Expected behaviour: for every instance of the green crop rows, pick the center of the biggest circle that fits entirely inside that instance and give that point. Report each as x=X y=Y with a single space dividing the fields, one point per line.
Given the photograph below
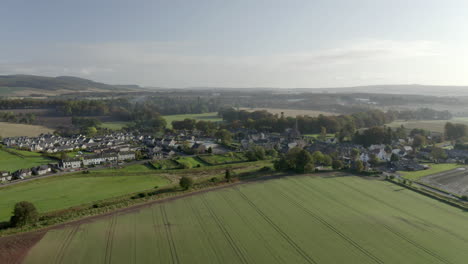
x=289 y=220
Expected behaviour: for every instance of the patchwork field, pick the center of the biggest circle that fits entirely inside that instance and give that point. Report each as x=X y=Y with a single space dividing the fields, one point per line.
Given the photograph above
x=290 y=112
x=205 y=116
x=23 y=160
x=454 y=181
x=289 y=220
x=60 y=192
x=431 y=125
x=18 y=130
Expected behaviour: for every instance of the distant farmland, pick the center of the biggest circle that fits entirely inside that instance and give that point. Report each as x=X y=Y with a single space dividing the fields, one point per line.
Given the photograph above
x=291 y=112
x=17 y=130
x=430 y=125
x=289 y=220
x=205 y=116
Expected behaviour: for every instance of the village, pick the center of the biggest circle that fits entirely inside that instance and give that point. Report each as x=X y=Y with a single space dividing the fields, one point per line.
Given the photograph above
x=117 y=149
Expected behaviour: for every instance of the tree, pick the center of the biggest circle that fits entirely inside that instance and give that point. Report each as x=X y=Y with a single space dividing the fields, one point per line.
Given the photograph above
x=327 y=160
x=256 y=153
x=318 y=157
x=337 y=164
x=394 y=157
x=374 y=160
x=186 y=182
x=224 y=135
x=91 y=131
x=24 y=213
x=438 y=154
x=304 y=161
x=228 y=175
x=323 y=133
x=354 y=153
x=358 y=166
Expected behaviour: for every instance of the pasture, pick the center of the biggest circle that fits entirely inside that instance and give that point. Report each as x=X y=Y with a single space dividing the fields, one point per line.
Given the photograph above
x=296 y=219
x=60 y=192
x=19 y=130
x=21 y=160
x=290 y=112
x=453 y=181
x=213 y=117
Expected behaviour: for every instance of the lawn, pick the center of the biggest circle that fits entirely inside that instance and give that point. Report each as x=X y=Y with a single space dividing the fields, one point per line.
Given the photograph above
x=190 y=162
x=205 y=116
x=60 y=192
x=289 y=220
x=231 y=157
x=25 y=159
x=434 y=168
x=166 y=164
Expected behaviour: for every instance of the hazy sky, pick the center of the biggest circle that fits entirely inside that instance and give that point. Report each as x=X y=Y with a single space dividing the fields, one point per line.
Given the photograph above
x=238 y=43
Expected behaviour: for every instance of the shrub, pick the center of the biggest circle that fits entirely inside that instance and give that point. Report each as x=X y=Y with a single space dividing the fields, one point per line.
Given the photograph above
x=228 y=175
x=24 y=213
x=214 y=179
x=186 y=182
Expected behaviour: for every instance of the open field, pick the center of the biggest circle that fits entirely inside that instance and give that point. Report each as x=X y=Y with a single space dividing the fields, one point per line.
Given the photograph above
x=230 y=157
x=205 y=116
x=431 y=125
x=114 y=125
x=289 y=220
x=433 y=169
x=291 y=112
x=23 y=160
x=60 y=192
x=17 y=130
x=453 y=181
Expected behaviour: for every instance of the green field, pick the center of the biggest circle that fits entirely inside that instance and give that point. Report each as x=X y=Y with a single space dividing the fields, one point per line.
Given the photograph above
x=430 y=125
x=60 y=192
x=24 y=160
x=289 y=220
x=114 y=125
x=205 y=116
x=434 y=168
x=224 y=158
x=190 y=162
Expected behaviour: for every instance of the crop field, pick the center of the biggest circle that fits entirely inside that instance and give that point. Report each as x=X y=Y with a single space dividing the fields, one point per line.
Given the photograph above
x=18 y=130
x=24 y=159
x=433 y=169
x=296 y=219
x=291 y=112
x=213 y=117
x=60 y=192
x=454 y=181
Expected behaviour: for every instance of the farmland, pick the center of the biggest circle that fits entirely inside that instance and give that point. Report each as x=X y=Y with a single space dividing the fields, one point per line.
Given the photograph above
x=18 y=130
x=114 y=125
x=433 y=169
x=288 y=220
x=430 y=125
x=22 y=160
x=291 y=112
x=205 y=116
x=454 y=181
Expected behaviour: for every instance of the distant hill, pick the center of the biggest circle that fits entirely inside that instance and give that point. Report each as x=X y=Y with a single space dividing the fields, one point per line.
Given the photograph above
x=11 y=85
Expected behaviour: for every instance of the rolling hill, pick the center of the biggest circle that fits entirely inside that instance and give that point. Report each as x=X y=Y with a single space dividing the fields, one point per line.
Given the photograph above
x=24 y=85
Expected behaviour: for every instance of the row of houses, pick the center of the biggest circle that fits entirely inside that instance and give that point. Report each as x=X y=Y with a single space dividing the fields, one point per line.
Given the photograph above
x=23 y=173
x=52 y=143
x=97 y=159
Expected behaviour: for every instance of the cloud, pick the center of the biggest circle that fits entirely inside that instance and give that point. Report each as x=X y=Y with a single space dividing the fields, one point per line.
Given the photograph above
x=171 y=64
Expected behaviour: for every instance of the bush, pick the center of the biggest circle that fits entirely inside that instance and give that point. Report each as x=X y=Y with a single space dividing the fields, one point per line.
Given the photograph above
x=228 y=175
x=24 y=213
x=214 y=179
x=337 y=164
x=186 y=182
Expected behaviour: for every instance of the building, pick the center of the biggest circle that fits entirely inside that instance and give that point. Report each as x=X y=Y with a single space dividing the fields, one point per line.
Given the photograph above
x=70 y=164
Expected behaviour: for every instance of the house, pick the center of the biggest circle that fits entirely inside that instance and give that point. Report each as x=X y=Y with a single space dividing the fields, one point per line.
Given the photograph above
x=198 y=148
x=70 y=164
x=41 y=170
x=4 y=173
x=21 y=174
x=126 y=156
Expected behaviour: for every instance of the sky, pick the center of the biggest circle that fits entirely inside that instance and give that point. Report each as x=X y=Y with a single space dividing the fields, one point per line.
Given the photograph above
x=238 y=43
